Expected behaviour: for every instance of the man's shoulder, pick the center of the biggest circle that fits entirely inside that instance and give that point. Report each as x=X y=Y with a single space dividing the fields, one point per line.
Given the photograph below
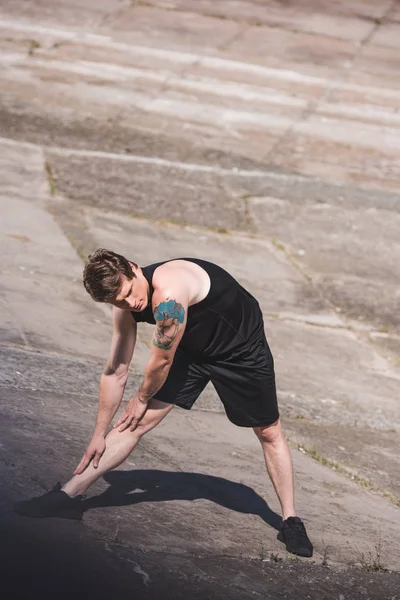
x=184 y=278
x=170 y=272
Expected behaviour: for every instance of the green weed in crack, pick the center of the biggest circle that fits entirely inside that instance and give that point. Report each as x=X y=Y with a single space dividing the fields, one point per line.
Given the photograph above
x=372 y=562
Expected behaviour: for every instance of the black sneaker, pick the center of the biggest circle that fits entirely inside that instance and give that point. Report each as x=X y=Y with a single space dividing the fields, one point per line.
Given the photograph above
x=52 y=504
x=294 y=535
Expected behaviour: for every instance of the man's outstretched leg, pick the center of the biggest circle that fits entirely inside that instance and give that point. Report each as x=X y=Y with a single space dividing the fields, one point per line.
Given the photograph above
x=65 y=501
x=280 y=469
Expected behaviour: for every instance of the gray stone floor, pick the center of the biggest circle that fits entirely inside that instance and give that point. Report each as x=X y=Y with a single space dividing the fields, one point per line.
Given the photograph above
x=263 y=136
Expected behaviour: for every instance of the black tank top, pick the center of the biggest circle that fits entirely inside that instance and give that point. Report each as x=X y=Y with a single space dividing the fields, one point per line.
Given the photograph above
x=227 y=319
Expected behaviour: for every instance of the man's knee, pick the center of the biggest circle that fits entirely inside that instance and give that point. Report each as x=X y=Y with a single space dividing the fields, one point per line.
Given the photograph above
x=157 y=411
x=270 y=434
x=145 y=426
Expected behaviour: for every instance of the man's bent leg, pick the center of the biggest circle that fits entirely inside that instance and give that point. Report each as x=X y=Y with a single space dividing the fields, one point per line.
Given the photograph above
x=279 y=465
x=118 y=447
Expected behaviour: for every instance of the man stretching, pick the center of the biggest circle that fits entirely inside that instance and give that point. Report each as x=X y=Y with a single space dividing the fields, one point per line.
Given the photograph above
x=207 y=328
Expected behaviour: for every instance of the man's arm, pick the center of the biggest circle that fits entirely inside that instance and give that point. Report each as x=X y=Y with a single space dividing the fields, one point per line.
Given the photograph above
x=112 y=383
x=170 y=313
x=170 y=316
x=115 y=374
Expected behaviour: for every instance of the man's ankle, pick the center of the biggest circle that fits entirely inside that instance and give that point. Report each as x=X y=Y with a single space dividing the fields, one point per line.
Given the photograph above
x=71 y=492
x=290 y=513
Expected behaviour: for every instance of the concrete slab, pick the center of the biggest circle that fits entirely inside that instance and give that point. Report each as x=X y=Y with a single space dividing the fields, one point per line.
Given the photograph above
x=394 y=15
x=41 y=274
x=379 y=63
x=362 y=8
x=320 y=138
x=80 y=15
x=201 y=105
x=323 y=19
x=310 y=54
x=23 y=173
x=190 y=99
x=358 y=111
x=213 y=472
x=45 y=556
x=359 y=377
x=388 y=34
x=365 y=99
x=277 y=81
x=156 y=189
x=364 y=447
x=151 y=26
x=319 y=235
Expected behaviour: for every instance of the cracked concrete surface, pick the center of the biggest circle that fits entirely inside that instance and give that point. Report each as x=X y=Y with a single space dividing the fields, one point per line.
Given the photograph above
x=269 y=134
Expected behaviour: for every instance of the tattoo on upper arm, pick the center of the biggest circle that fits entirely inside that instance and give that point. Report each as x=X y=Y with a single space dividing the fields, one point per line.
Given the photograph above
x=168 y=316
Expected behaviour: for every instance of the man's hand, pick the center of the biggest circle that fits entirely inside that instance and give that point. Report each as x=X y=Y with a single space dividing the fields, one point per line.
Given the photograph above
x=95 y=450
x=132 y=415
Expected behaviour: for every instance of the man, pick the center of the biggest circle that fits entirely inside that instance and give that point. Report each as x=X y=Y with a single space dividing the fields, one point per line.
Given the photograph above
x=207 y=328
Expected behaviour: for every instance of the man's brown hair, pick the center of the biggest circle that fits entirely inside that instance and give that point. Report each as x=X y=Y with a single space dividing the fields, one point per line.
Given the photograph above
x=102 y=276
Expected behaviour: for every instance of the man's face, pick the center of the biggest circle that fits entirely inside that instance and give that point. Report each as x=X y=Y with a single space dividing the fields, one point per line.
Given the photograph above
x=132 y=295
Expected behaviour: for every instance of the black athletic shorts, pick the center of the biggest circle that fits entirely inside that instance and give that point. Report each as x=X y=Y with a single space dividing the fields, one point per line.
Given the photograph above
x=245 y=383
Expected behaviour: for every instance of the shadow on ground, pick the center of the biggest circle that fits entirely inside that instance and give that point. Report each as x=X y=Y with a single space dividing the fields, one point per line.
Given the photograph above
x=48 y=558
x=151 y=485
x=54 y=558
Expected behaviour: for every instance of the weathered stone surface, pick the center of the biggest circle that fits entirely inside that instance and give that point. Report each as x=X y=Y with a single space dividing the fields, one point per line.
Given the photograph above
x=364 y=285
x=302 y=52
x=378 y=64
x=40 y=276
x=320 y=146
x=150 y=26
x=324 y=18
x=81 y=15
x=183 y=479
x=158 y=191
x=388 y=34
x=271 y=130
